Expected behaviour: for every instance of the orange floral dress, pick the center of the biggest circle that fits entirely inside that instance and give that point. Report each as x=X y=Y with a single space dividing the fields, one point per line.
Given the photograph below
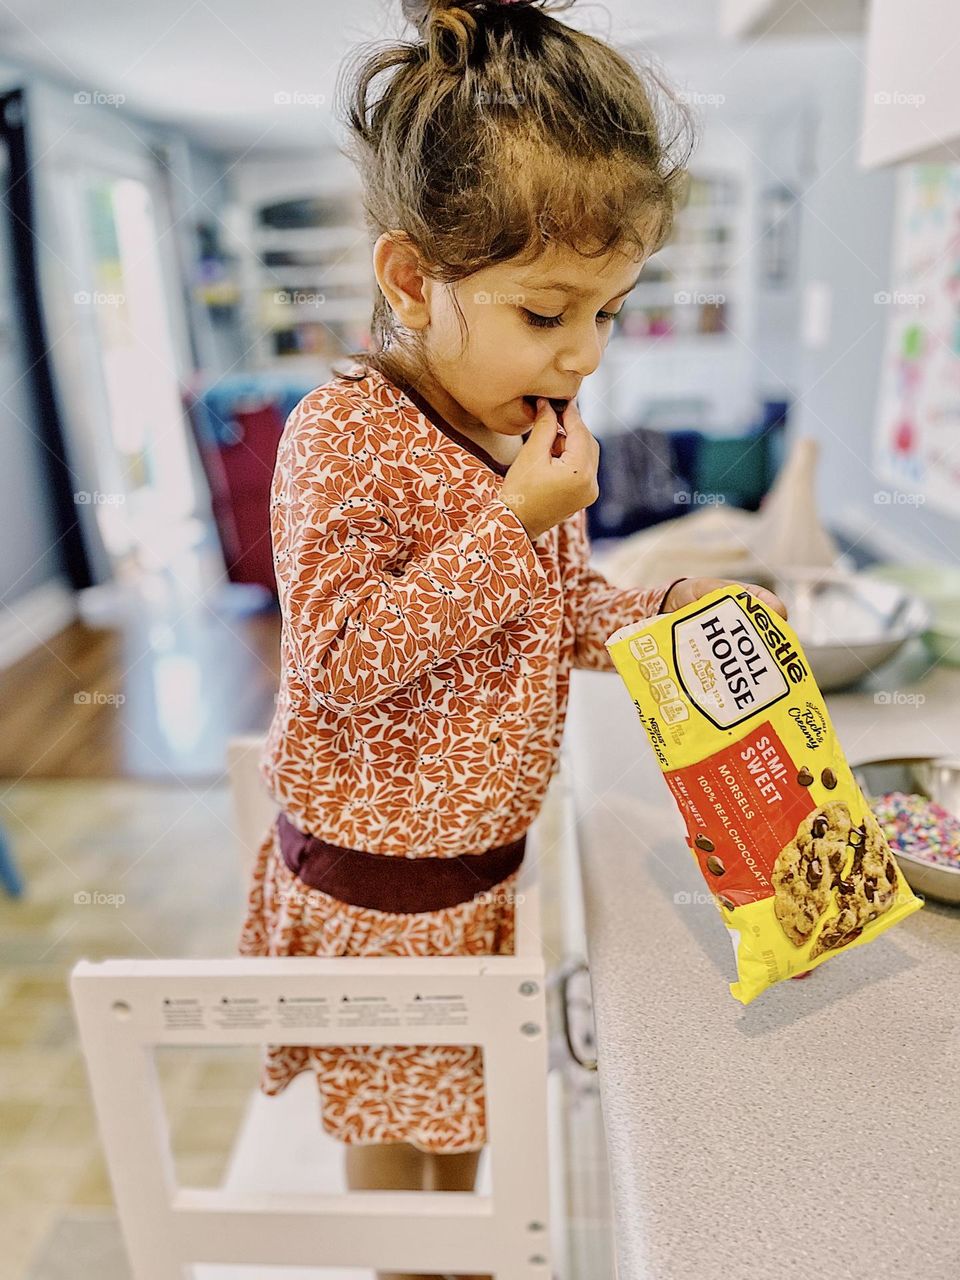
x=426 y=649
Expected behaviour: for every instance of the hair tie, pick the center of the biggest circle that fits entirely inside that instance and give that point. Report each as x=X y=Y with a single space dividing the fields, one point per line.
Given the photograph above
x=418 y=11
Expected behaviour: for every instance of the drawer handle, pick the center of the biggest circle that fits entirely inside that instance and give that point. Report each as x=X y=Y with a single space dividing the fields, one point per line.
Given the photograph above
x=588 y=1064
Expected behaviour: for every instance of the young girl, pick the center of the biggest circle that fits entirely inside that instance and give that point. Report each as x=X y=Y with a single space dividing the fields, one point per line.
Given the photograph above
x=429 y=533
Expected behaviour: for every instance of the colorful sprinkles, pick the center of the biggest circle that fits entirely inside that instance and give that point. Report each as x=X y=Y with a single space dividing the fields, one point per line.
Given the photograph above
x=920 y=827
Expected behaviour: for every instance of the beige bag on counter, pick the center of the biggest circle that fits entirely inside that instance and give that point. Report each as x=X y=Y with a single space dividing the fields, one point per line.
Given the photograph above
x=724 y=542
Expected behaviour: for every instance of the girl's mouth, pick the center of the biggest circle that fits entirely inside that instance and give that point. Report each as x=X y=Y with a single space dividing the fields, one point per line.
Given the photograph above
x=558 y=406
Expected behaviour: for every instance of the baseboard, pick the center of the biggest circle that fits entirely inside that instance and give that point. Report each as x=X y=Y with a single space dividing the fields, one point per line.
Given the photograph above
x=33 y=619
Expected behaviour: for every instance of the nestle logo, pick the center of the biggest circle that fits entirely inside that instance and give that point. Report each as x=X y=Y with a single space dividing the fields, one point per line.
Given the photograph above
x=782 y=649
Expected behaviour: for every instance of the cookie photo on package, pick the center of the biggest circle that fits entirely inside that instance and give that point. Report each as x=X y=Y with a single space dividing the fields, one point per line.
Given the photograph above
x=786 y=842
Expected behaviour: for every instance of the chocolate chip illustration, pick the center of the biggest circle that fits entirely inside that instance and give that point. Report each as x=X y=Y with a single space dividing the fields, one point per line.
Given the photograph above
x=890 y=871
x=829 y=779
x=819 y=827
x=869 y=889
x=705 y=843
x=805 y=777
x=715 y=866
x=725 y=902
x=814 y=872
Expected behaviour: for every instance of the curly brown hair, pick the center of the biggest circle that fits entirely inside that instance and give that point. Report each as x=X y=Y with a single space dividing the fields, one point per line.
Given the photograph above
x=498 y=132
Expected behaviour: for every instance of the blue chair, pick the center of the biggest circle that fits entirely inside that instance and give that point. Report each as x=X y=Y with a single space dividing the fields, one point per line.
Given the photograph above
x=10 y=876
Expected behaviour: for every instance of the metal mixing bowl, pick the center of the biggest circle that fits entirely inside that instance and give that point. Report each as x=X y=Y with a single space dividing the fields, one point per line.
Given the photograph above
x=849 y=624
x=937 y=778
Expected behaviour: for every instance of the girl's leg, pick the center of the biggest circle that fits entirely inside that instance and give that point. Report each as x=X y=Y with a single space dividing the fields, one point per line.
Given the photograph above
x=389 y=1166
x=454 y=1172
x=384 y=1166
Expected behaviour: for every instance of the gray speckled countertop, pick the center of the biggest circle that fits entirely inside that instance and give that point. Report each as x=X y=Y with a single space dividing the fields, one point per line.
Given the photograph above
x=817 y=1130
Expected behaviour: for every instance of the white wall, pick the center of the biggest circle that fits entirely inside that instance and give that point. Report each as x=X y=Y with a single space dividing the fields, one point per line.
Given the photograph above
x=797 y=102
x=847 y=243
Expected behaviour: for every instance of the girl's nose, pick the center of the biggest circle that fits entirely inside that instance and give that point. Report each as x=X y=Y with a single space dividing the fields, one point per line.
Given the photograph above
x=583 y=355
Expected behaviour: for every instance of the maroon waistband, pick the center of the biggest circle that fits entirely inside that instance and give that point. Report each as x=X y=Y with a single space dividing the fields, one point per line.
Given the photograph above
x=388 y=883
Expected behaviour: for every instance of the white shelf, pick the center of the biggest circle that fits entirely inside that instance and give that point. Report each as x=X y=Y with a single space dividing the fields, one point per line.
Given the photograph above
x=288 y=316
x=322 y=275
x=342 y=272
x=715 y=367
x=311 y=238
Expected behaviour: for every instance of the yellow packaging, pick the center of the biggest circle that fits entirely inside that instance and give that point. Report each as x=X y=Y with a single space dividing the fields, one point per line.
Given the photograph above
x=797 y=863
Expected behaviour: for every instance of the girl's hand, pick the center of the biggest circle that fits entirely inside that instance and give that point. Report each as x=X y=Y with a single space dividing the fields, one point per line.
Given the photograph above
x=555 y=473
x=687 y=590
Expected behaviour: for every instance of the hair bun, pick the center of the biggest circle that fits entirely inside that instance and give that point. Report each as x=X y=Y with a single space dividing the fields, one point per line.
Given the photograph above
x=418 y=12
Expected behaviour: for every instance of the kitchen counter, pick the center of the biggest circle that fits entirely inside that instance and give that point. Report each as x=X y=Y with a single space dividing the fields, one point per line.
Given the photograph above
x=815 y=1131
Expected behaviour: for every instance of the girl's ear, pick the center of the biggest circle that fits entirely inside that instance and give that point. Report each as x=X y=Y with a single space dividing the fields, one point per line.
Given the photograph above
x=400 y=276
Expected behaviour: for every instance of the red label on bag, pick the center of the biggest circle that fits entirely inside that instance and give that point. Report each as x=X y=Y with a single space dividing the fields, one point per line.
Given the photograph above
x=741 y=806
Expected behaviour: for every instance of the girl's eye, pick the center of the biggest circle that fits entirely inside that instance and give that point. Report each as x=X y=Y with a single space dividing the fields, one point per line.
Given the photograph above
x=551 y=322
x=540 y=322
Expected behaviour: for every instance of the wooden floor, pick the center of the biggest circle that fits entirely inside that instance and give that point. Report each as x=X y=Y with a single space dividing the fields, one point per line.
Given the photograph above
x=152 y=689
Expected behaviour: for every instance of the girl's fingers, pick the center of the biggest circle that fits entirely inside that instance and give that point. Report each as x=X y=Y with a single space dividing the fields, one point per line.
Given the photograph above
x=578 y=445
x=691 y=589
x=772 y=601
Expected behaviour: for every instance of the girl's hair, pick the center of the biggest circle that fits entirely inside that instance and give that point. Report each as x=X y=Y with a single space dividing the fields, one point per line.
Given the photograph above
x=498 y=132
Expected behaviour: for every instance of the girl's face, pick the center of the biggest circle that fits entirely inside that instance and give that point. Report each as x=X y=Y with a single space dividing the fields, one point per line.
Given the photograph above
x=534 y=330
x=531 y=330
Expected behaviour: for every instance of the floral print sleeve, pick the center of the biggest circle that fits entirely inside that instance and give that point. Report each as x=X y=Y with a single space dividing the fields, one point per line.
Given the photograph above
x=363 y=618
x=595 y=606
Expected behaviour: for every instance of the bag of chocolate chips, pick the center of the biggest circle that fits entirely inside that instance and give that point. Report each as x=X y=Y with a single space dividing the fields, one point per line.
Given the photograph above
x=796 y=862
